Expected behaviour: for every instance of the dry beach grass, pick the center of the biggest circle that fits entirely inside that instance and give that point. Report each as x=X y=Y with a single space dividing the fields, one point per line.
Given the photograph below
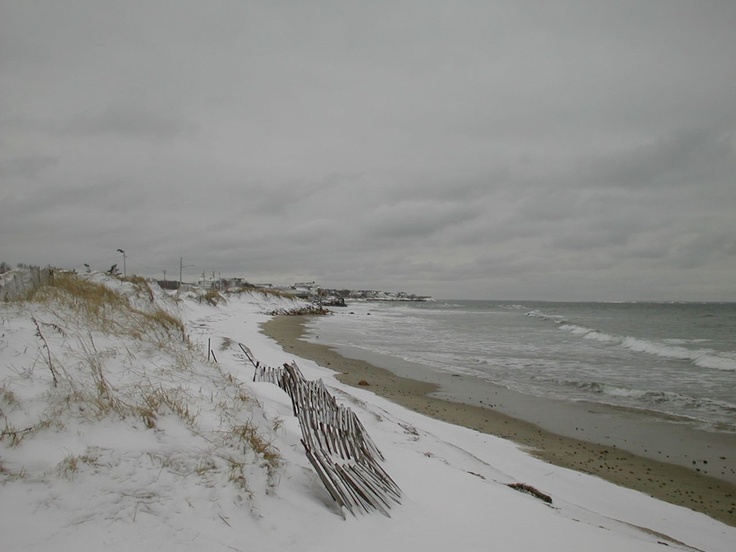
x=119 y=356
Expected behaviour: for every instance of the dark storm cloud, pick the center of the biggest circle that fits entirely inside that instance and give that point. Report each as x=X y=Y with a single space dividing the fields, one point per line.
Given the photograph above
x=128 y=122
x=691 y=157
x=419 y=218
x=459 y=149
x=27 y=166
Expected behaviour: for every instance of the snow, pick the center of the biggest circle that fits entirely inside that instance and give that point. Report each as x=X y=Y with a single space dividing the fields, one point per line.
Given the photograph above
x=90 y=475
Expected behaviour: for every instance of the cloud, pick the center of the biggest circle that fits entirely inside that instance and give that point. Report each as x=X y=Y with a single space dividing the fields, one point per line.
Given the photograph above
x=128 y=122
x=27 y=166
x=690 y=157
x=472 y=149
x=418 y=218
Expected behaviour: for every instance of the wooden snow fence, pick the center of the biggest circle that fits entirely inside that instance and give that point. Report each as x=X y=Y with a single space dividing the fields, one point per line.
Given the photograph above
x=335 y=441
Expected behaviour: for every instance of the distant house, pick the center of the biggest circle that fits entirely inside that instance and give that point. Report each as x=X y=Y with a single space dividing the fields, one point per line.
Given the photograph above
x=230 y=283
x=305 y=289
x=300 y=289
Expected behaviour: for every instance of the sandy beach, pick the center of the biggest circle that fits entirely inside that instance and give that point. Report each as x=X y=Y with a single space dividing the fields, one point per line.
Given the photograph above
x=669 y=482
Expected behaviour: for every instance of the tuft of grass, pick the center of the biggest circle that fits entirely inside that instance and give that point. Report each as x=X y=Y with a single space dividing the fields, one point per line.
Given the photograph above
x=68 y=466
x=8 y=397
x=140 y=284
x=157 y=401
x=204 y=467
x=237 y=474
x=138 y=281
x=241 y=393
x=278 y=424
x=272 y=459
x=10 y=475
x=15 y=436
x=159 y=320
x=226 y=343
x=242 y=396
x=211 y=297
x=104 y=399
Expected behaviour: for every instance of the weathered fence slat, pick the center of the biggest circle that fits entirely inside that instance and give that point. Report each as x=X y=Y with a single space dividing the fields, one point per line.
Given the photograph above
x=335 y=441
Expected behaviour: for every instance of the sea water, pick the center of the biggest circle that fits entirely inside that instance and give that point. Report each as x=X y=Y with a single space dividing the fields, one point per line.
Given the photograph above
x=676 y=361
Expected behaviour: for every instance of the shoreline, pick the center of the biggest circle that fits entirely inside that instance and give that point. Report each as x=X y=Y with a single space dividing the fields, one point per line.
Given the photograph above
x=668 y=482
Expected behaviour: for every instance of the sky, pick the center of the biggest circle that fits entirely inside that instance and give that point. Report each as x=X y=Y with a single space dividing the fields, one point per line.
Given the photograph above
x=467 y=149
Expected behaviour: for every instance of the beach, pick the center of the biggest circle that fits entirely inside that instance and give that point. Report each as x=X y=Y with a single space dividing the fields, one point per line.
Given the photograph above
x=126 y=432
x=676 y=484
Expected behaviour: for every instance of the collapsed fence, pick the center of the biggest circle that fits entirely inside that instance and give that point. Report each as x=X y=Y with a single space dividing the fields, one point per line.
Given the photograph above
x=335 y=441
x=18 y=282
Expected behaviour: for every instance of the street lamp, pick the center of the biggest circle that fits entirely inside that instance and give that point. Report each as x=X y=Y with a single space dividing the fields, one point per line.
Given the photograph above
x=123 y=252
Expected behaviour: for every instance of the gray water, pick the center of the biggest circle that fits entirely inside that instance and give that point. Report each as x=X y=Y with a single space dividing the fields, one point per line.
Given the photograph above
x=676 y=361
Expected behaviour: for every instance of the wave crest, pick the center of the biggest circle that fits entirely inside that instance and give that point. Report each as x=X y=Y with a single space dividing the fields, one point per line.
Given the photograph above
x=673 y=349
x=653 y=397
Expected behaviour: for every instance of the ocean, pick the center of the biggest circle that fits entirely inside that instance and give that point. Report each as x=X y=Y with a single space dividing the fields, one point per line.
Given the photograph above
x=669 y=361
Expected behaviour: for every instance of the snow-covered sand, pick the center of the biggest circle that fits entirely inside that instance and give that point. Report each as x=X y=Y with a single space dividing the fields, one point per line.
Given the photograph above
x=684 y=485
x=80 y=474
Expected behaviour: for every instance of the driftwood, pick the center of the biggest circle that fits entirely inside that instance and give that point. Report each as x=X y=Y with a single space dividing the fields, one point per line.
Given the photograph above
x=524 y=488
x=335 y=441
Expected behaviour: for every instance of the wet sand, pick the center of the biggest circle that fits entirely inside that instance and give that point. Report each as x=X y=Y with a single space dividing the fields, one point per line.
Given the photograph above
x=669 y=482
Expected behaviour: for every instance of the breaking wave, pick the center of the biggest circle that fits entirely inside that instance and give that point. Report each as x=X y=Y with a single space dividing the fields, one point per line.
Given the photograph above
x=671 y=349
x=663 y=402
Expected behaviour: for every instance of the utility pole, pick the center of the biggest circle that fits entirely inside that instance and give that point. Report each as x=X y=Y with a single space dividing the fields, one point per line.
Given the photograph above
x=181 y=268
x=123 y=252
x=164 y=276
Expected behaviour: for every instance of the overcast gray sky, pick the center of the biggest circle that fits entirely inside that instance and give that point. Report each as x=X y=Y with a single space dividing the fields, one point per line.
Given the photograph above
x=465 y=149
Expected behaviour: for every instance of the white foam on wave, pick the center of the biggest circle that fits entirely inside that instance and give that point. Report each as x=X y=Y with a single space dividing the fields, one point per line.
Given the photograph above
x=600 y=336
x=542 y=316
x=719 y=361
x=628 y=392
x=674 y=349
x=705 y=358
x=667 y=402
